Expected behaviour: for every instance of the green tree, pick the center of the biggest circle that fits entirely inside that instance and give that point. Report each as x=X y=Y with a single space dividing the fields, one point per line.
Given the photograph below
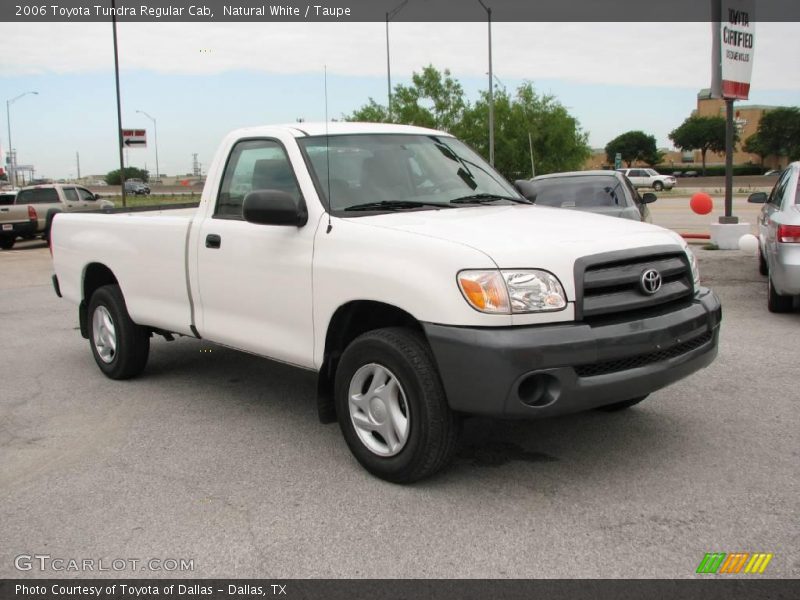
x=754 y=145
x=779 y=133
x=522 y=120
x=113 y=178
x=436 y=100
x=633 y=146
x=701 y=133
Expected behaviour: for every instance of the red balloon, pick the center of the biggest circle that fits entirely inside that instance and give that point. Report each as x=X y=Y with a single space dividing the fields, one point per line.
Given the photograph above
x=701 y=203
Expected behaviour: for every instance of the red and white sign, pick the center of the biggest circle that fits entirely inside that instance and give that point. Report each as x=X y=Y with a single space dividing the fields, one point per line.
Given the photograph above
x=733 y=48
x=134 y=138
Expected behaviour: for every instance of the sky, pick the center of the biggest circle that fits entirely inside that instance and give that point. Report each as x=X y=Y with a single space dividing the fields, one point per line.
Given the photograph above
x=200 y=80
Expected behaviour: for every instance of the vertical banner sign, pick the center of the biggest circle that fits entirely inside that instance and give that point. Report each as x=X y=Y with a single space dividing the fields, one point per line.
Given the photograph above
x=733 y=45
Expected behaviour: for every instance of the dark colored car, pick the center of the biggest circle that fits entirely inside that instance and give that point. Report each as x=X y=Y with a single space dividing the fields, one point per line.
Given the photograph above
x=603 y=192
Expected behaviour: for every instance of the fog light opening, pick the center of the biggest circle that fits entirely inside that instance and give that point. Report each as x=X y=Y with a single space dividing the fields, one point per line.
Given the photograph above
x=538 y=390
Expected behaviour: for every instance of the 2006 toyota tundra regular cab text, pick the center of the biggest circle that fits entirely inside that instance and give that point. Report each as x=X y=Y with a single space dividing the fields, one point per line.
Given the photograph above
x=407 y=273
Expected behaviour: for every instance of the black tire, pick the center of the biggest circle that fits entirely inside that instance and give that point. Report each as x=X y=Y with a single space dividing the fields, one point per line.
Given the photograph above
x=7 y=243
x=777 y=303
x=433 y=429
x=762 y=262
x=621 y=405
x=132 y=342
x=658 y=186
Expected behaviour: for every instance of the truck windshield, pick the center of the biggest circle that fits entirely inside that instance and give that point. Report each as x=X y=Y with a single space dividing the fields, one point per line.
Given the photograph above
x=401 y=171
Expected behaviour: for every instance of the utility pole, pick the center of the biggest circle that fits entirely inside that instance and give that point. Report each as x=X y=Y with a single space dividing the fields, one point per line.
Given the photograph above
x=389 y=16
x=491 y=85
x=78 y=163
x=119 y=104
x=729 y=218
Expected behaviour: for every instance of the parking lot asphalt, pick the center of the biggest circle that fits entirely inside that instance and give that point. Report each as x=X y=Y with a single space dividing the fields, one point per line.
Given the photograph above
x=217 y=457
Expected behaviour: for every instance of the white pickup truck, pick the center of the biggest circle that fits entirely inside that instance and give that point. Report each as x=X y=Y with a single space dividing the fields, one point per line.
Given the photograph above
x=406 y=273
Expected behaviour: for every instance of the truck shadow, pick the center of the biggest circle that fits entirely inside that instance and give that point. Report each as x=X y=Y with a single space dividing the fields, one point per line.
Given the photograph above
x=270 y=391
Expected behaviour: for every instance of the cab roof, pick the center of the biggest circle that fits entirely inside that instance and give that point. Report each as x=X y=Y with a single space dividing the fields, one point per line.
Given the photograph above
x=300 y=130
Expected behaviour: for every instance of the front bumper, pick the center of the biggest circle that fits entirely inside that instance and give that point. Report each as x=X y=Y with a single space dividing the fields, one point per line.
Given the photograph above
x=543 y=371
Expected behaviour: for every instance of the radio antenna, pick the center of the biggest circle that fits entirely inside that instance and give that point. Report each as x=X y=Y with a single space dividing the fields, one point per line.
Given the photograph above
x=327 y=153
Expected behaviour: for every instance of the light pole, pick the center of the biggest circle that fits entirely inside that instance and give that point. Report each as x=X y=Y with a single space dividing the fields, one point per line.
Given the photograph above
x=389 y=16
x=488 y=10
x=12 y=170
x=155 y=134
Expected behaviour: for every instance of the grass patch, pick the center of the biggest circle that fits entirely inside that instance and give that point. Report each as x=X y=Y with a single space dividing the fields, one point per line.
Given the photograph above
x=155 y=199
x=711 y=246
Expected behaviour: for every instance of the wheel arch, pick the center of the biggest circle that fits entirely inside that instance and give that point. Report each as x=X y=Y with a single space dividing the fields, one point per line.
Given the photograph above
x=348 y=322
x=95 y=276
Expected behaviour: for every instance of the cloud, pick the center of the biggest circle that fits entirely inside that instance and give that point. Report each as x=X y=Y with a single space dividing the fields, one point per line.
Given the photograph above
x=641 y=54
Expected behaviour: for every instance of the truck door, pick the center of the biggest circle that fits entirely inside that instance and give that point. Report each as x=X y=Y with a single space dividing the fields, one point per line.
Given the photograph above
x=255 y=280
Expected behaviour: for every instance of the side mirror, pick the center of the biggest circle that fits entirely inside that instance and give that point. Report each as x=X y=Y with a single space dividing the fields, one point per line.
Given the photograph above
x=273 y=207
x=97 y=196
x=757 y=198
x=526 y=188
x=649 y=197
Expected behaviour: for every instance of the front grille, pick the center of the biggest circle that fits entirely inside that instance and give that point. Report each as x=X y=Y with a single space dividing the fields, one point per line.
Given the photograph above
x=632 y=362
x=613 y=285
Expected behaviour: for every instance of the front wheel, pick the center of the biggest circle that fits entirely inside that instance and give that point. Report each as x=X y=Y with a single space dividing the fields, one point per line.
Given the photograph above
x=120 y=346
x=622 y=405
x=392 y=407
x=658 y=186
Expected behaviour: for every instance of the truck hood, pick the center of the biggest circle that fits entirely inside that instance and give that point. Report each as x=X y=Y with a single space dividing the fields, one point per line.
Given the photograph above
x=524 y=236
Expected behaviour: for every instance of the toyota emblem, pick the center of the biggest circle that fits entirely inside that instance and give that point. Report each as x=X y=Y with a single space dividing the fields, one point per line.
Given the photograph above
x=650 y=282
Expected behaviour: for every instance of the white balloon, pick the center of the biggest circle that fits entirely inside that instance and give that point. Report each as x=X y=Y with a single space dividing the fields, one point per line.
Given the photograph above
x=748 y=243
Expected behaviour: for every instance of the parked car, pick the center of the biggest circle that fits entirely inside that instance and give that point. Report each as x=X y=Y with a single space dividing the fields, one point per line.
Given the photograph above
x=649 y=178
x=690 y=174
x=137 y=187
x=779 y=239
x=35 y=206
x=603 y=192
x=403 y=270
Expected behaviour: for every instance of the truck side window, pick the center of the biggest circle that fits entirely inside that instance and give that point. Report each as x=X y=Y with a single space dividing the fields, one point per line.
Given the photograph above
x=70 y=194
x=86 y=195
x=254 y=165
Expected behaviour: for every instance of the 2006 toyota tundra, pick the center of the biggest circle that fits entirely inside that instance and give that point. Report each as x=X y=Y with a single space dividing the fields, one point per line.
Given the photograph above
x=407 y=273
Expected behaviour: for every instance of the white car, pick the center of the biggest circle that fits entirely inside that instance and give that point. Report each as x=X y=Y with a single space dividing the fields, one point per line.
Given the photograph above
x=779 y=239
x=403 y=270
x=649 y=178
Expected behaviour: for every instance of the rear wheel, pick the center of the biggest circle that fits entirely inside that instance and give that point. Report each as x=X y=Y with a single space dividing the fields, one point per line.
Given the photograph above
x=392 y=407
x=658 y=186
x=622 y=405
x=120 y=346
x=7 y=243
x=776 y=302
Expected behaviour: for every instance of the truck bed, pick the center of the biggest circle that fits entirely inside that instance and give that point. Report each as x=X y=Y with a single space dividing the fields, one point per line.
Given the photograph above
x=145 y=250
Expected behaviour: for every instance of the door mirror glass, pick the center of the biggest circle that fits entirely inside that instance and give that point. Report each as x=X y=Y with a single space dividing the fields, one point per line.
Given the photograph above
x=757 y=198
x=273 y=207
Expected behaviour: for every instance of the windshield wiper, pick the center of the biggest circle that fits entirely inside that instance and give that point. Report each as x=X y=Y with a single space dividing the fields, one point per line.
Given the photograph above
x=487 y=198
x=395 y=205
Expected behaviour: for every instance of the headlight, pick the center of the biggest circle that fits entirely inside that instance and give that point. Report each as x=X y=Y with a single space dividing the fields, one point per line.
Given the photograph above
x=517 y=291
x=695 y=268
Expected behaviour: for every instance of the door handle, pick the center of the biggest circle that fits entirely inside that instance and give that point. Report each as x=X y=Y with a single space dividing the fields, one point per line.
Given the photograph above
x=213 y=241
